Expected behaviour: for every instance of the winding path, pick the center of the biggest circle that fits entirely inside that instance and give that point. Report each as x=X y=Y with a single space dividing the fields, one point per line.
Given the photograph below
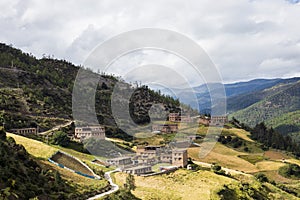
x=114 y=187
x=231 y=171
x=56 y=128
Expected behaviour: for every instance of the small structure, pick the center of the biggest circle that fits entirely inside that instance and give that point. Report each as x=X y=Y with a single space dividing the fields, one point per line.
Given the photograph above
x=82 y=133
x=120 y=161
x=138 y=170
x=165 y=128
x=176 y=117
x=25 y=131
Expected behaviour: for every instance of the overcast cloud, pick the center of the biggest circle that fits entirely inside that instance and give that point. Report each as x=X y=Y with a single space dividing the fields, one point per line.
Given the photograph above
x=245 y=39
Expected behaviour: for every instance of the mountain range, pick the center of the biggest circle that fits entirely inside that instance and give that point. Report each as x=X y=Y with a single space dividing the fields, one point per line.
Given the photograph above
x=273 y=101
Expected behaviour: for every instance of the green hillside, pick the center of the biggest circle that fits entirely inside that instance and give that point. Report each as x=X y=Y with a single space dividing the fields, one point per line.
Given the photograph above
x=277 y=110
x=286 y=123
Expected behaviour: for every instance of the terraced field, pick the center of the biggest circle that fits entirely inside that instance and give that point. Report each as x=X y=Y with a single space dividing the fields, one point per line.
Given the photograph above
x=70 y=163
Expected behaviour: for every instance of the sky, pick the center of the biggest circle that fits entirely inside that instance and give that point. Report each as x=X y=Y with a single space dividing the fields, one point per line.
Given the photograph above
x=245 y=39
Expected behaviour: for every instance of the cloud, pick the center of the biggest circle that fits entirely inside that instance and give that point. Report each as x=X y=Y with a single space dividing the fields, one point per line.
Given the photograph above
x=245 y=39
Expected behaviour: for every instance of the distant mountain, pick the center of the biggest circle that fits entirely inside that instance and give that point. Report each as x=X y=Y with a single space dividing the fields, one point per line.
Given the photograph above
x=243 y=100
x=279 y=107
x=238 y=95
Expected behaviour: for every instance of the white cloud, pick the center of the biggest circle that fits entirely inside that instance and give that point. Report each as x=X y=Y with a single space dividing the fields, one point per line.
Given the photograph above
x=245 y=39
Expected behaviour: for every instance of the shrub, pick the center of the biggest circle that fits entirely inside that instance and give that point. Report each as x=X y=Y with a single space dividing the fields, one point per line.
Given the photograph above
x=290 y=171
x=262 y=177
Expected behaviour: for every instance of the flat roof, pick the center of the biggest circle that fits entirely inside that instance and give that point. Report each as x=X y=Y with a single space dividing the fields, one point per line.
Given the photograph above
x=119 y=158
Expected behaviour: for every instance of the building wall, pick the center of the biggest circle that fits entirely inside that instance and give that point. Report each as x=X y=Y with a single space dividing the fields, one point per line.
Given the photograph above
x=179 y=158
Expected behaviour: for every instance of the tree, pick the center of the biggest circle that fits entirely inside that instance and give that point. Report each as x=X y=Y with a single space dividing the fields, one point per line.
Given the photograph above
x=2 y=134
x=130 y=183
x=60 y=138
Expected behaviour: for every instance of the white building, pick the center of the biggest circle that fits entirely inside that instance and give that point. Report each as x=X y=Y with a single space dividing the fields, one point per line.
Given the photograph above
x=82 y=133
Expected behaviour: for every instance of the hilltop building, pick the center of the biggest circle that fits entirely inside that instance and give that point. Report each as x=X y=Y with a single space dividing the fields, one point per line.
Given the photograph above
x=176 y=117
x=25 y=131
x=218 y=120
x=177 y=157
x=213 y=121
x=82 y=133
x=165 y=128
x=120 y=161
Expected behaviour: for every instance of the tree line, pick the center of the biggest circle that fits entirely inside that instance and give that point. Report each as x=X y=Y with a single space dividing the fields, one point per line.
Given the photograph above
x=269 y=138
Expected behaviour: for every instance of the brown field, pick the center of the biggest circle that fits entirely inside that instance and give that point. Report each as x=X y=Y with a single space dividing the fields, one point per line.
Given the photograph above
x=223 y=156
x=275 y=155
x=268 y=165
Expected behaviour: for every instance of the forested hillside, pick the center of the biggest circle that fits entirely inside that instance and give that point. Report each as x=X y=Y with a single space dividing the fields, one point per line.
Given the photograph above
x=39 y=92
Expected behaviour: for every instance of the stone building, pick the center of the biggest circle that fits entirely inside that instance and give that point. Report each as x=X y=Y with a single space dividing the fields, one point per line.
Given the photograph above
x=176 y=117
x=177 y=157
x=165 y=128
x=25 y=131
x=218 y=120
x=214 y=120
x=82 y=133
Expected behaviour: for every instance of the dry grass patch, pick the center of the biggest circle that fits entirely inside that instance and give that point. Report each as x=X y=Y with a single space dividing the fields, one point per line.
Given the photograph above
x=223 y=156
x=181 y=184
x=36 y=148
x=293 y=160
x=241 y=133
x=269 y=165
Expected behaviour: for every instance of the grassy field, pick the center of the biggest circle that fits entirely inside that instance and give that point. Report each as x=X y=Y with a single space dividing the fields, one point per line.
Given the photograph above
x=241 y=134
x=181 y=184
x=36 y=148
x=252 y=158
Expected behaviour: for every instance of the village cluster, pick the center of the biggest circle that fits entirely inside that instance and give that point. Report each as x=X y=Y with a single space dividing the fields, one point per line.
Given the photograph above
x=146 y=156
